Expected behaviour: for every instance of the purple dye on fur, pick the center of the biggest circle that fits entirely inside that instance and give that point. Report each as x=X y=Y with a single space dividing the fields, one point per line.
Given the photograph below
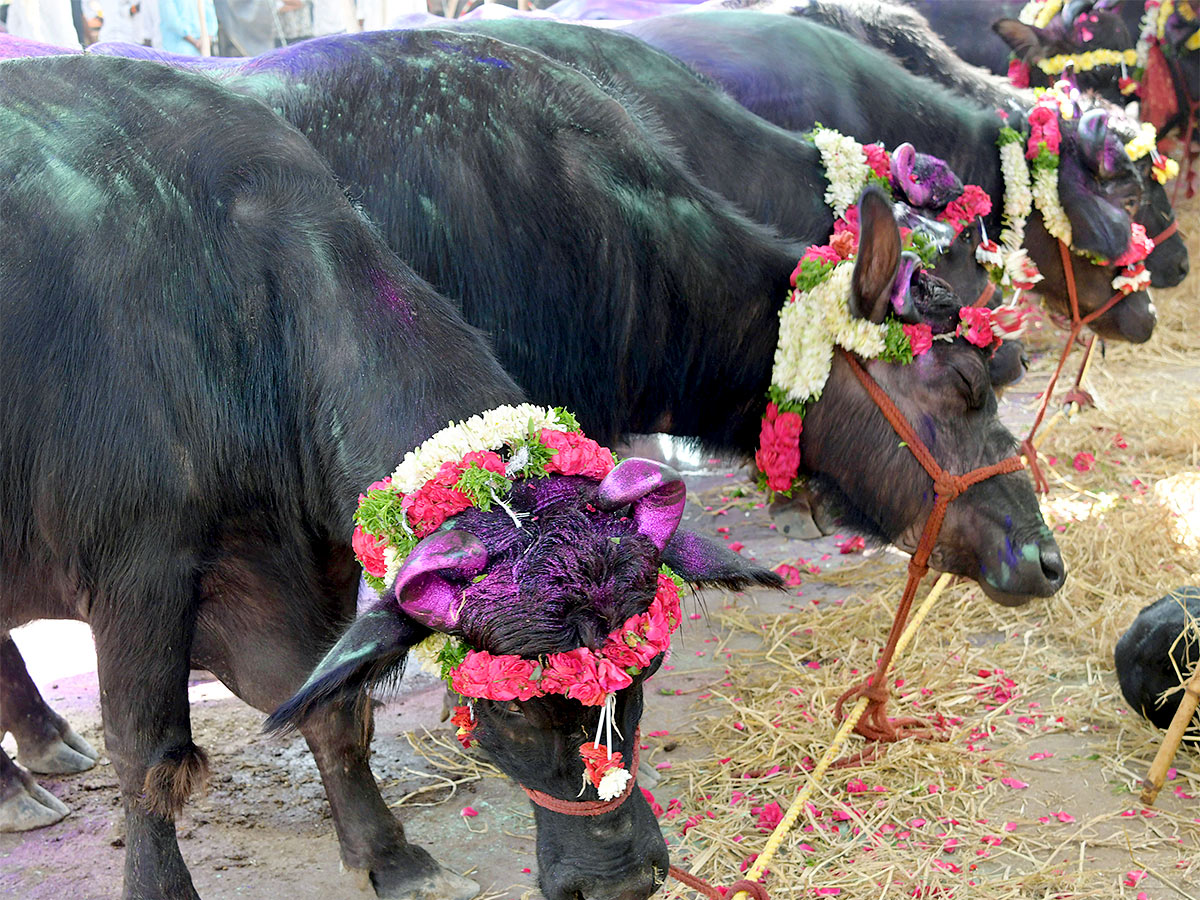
x=565 y=579
x=386 y=291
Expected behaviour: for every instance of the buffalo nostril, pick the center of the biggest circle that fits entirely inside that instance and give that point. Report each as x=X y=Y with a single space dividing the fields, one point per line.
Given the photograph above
x=1052 y=565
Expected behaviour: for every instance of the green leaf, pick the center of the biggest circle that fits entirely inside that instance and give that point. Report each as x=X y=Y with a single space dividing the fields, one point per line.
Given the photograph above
x=451 y=657
x=482 y=485
x=567 y=418
x=897 y=348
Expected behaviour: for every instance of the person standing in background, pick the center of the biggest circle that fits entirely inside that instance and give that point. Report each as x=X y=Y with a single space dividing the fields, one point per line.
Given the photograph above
x=128 y=21
x=48 y=21
x=179 y=21
x=335 y=17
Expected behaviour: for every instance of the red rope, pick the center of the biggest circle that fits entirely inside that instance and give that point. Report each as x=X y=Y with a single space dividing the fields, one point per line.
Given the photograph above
x=1040 y=483
x=874 y=723
x=985 y=296
x=590 y=807
x=1166 y=232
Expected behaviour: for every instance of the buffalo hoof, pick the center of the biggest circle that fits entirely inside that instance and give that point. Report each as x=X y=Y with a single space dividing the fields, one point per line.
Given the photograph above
x=30 y=807
x=65 y=756
x=440 y=885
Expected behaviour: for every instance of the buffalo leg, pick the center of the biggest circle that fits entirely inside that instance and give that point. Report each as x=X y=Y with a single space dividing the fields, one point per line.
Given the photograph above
x=264 y=656
x=45 y=742
x=25 y=804
x=143 y=668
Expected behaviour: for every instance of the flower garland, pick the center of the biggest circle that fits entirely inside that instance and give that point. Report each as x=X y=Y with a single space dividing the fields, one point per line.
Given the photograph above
x=1162 y=168
x=474 y=464
x=1022 y=191
x=1152 y=32
x=460 y=467
x=1042 y=151
x=1039 y=12
x=1087 y=61
x=816 y=316
x=591 y=677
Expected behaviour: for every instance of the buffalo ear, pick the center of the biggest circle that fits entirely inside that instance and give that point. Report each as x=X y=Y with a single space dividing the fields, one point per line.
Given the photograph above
x=1029 y=43
x=1096 y=225
x=701 y=561
x=372 y=651
x=878 y=257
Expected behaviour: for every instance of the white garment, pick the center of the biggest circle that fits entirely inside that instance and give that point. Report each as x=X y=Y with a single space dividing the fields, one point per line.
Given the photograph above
x=334 y=17
x=132 y=21
x=48 y=21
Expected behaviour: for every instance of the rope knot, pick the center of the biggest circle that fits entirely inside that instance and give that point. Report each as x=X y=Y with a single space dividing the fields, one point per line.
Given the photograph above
x=949 y=486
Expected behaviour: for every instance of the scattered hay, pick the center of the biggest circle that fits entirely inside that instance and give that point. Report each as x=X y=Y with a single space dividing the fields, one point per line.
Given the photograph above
x=1016 y=694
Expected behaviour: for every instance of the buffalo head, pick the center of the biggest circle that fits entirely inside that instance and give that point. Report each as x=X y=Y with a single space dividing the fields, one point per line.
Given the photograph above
x=564 y=563
x=994 y=532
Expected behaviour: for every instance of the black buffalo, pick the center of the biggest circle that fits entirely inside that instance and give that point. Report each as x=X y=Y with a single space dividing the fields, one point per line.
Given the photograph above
x=1158 y=652
x=796 y=73
x=904 y=35
x=637 y=297
x=193 y=401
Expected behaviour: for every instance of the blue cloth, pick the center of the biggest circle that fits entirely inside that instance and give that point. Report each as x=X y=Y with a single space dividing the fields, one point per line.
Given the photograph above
x=179 y=19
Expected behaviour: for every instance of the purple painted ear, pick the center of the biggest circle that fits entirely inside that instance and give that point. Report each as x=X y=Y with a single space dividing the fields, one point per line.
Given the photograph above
x=925 y=180
x=699 y=560
x=1097 y=150
x=656 y=491
x=422 y=588
x=1097 y=225
x=902 y=302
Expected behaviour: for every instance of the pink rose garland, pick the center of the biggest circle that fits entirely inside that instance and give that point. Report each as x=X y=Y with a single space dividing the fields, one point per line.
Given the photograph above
x=778 y=455
x=582 y=674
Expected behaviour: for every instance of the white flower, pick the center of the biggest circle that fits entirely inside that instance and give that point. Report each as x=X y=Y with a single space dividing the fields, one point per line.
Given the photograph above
x=1018 y=197
x=988 y=254
x=612 y=785
x=1045 y=195
x=1132 y=279
x=1020 y=271
x=426 y=653
x=846 y=168
x=809 y=328
x=490 y=431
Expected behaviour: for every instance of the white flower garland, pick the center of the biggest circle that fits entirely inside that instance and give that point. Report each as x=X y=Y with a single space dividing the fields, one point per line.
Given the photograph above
x=1018 y=196
x=1045 y=195
x=1039 y=12
x=810 y=324
x=846 y=168
x=487 y=431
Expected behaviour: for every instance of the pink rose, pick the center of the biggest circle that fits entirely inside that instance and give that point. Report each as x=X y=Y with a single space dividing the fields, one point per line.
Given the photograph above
x=821 y=252
x=978 y=322
x=848 y=222
x=668 y=596
x=576 y=454
x=878 y=160
x=470 y=678
x=1018 y=73
x=485 y=459
x=1084 y=462
x=1139 y=248
x=510 y=678
x=574 y=674
x=369 y=550
x=974 y=201
x=432 y=505
x=844 y=243
x=920 y=337
x=1043 y=129
x=618 y=650
x=610 y=676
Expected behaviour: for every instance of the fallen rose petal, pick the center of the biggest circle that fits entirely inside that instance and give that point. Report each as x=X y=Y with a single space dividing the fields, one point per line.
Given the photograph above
x=470 y=812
